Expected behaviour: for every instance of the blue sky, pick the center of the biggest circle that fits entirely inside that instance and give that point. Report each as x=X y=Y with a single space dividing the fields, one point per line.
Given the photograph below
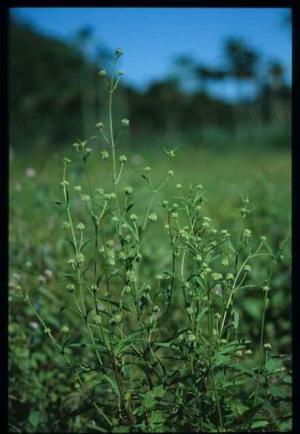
x=152 y=37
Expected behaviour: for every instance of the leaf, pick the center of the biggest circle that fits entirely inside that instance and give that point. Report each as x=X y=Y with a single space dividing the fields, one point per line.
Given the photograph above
x=113 y=384
x=72 y=244
x=273 y=364
x=125 y=343
x=145 y=177
x=149 y=401
x=114 y=303
x=130 y=206
x=248 y=414
x=159 y=391
x=259 y=424
x=85 y=244
x=157 y=418
x=34 y=418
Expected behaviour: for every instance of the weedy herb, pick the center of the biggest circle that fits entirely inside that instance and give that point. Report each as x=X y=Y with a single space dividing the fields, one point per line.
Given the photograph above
x=161 y=351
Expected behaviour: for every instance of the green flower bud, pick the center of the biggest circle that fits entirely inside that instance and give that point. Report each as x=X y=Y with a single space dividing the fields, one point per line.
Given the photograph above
x=70 y=287
x=125 y=122
x=247 y=233
x=128 y=190
x=122 y=158
x=80 y=258
x=104 y=155
x=216 y=276
x=239 y=354
x=66 y=225
x=65 y=329
x=191 y=337
x=152 y=217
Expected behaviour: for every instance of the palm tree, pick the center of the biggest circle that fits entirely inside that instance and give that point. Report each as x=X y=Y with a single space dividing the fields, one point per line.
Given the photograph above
x=241 y=61
x=207 y=75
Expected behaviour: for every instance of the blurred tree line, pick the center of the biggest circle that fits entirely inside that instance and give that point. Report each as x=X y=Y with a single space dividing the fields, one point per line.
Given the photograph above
x=56 y=95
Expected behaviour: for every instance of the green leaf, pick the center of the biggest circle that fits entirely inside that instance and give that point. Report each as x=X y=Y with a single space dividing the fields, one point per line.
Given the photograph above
x=248 y=414
x=259 y=424
x=113 y=383
x=149 y=401
x=273 y=364
x=34 y=418
x=126 y=343
x=114 y=303
x=159 y=391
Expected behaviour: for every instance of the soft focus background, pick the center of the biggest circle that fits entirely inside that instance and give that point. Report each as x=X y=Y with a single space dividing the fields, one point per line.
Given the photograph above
x=213 y=83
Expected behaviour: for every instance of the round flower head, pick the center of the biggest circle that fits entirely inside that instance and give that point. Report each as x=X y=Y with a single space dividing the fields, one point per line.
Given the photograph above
x=122 y=158
x=128 y=190
x=80 y=226
x=80 y=258
x=102 y=73
x=100 y=125
x=152 y=217
x=65 y=329
x=216 y=276
x=85 y=198
x=247 y=233
x=66 y=225
x=70 y=287
x=125 y=122
x=191 y=337
x=104 y=155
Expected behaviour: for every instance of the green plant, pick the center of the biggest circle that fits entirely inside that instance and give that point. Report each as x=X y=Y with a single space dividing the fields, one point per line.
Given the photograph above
x=156 y=348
